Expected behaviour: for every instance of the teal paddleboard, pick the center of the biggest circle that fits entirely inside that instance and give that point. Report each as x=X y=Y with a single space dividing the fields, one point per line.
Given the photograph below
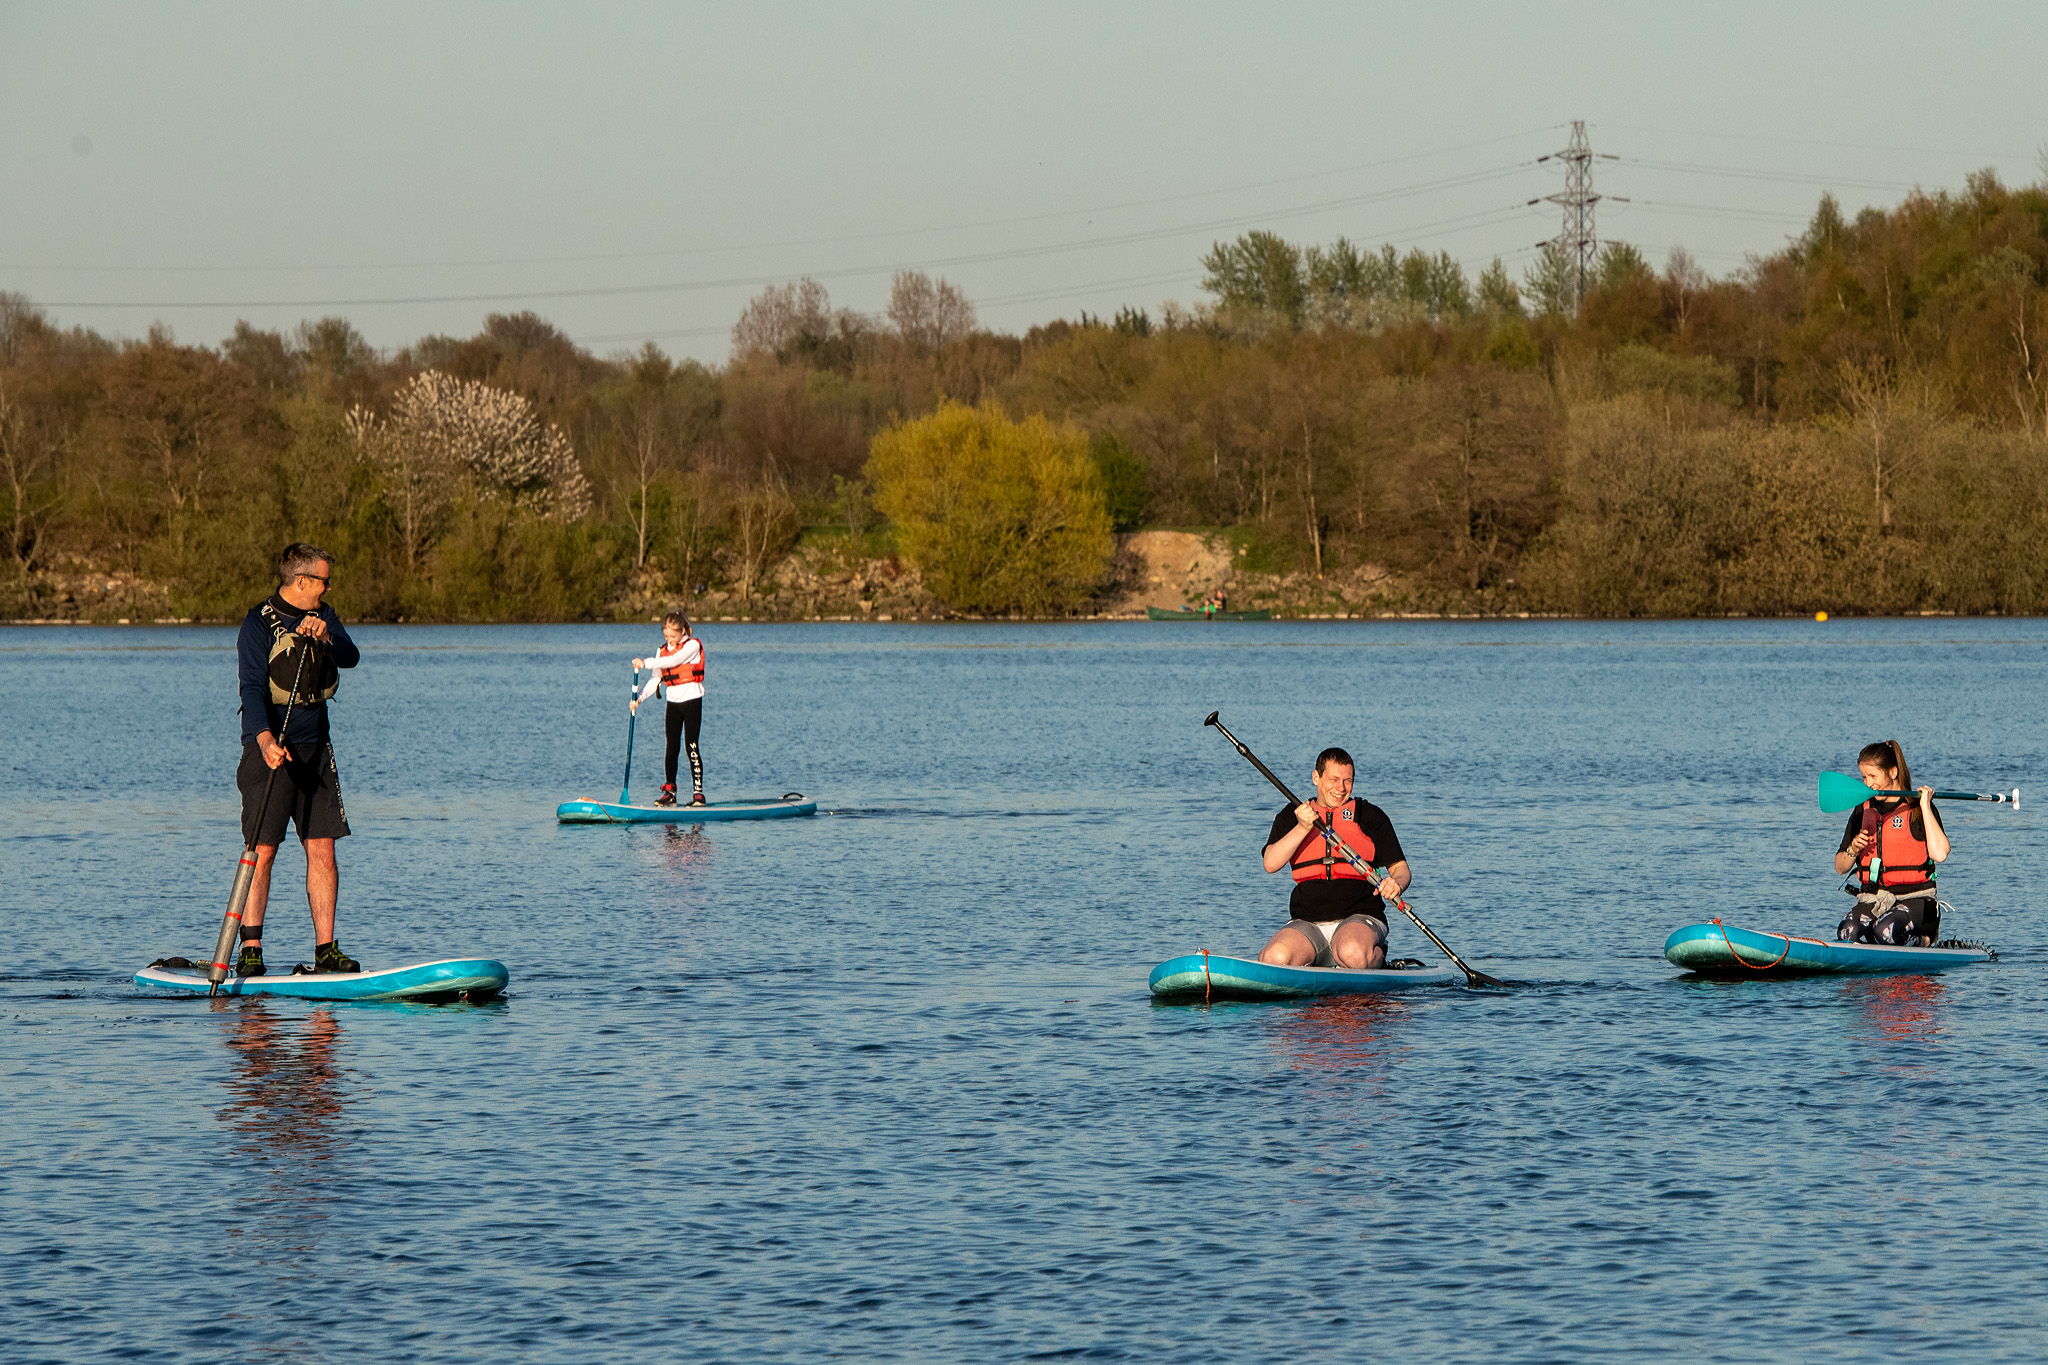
x=617 y=813
x=1728 y=951
x=1213 y=976
x=474 y=979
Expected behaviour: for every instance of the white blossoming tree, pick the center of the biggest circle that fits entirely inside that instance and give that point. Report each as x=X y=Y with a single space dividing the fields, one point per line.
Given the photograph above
x=444 y=432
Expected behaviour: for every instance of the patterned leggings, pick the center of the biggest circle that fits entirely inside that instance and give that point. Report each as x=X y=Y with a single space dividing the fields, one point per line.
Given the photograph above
x=685 y=718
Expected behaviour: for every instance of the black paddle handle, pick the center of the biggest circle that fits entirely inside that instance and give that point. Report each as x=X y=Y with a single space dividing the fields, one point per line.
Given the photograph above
x=1330 y=837
x=1252 y=758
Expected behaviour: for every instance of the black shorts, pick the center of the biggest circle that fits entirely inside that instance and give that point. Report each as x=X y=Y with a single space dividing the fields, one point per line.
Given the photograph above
x=307 y=794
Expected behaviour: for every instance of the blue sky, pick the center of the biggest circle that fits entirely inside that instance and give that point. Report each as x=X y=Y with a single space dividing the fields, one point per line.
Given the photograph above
x=636 y=172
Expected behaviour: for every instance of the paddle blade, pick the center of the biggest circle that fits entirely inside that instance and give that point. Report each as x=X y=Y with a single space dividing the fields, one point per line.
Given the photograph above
x=1840 y=792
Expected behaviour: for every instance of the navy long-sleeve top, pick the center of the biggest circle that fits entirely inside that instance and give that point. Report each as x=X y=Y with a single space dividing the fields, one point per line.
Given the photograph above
x=252 y=649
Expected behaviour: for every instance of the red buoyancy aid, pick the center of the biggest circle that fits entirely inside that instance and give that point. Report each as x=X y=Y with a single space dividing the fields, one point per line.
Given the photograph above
x=1315 y=861
x=1904 y=859
x=692 y=672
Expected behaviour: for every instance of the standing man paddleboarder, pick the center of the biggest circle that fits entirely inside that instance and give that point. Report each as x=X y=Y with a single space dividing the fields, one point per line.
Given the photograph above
x=1338 y=917
x=679 y=667
x=308 y=788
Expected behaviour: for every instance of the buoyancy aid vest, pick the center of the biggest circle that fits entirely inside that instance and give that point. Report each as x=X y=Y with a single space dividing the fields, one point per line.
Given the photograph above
x=1316 y=861
x=318 y=679
x=1903 y=859
x=691 y=672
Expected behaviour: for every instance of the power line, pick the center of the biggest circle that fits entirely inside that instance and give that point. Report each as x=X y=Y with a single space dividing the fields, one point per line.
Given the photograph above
x=840 y=240
x=1781 y=177
x=974 y=258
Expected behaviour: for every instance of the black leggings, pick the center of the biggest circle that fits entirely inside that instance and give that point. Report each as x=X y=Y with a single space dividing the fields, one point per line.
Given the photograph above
x=1916 y=917
x=685 y=718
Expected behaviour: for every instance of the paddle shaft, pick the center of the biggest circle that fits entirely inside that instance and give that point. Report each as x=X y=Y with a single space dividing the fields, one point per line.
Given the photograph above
x=1330 y=840
x=245 y=873
x=2010 y=798
x=632 y=714
x=1840 y=792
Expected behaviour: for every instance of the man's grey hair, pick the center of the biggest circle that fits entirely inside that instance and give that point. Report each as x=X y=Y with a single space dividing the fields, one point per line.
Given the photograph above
x=297 y=557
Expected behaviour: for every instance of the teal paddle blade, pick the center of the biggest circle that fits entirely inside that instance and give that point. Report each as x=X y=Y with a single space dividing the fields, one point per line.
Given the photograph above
x=1840 y=792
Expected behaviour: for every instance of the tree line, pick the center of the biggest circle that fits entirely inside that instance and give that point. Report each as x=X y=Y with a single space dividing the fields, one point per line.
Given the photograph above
x=1858 y=421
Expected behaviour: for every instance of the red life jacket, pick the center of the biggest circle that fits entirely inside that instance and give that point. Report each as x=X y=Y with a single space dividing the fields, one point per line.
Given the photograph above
x=682 y=673
x=1316 y=861
x=1903 y=858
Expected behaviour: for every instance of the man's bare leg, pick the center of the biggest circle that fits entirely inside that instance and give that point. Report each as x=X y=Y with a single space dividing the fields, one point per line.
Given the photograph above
x=259 y=894
x=1288 y=948
x=323 y=887
x=1358 y=946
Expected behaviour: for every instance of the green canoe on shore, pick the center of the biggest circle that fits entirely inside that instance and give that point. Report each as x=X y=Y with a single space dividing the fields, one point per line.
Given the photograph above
x=1162 y=614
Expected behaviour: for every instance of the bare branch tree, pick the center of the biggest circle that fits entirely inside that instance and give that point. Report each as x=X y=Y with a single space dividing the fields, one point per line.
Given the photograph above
x=28 y=454
x=2009 y=273
x=1686 y=280
x=764 y=522
x=928 y=315
x=780 y=316
x=1888 y=410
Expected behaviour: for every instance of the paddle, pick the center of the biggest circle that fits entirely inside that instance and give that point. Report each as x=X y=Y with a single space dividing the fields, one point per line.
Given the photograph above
x=1840 y=792
x=1472 y=976
x=632 y=714
x=245 y=873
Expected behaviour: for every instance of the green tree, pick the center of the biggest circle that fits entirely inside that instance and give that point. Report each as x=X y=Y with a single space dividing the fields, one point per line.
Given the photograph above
x=1259 y=272
x=1123 y=481
x=1826 y=232
x=1435 y=285
x=1620 y=264
x=999 y=515
x=1497 y=293
x=1552 y=281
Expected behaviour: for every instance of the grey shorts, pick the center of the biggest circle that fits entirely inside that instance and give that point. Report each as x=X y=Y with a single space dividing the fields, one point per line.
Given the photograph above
x=1320 y=932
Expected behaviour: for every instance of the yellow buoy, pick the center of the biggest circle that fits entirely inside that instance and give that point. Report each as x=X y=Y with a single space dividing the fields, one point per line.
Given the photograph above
x=1820 y=616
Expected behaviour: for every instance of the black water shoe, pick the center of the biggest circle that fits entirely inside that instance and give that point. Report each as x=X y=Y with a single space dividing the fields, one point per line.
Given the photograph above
x=250 y=963
x=667 y=797
x=327 y=957
x=697 y=798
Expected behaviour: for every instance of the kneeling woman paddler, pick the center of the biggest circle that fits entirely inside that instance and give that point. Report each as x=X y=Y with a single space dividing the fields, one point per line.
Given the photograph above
x=1891 y=845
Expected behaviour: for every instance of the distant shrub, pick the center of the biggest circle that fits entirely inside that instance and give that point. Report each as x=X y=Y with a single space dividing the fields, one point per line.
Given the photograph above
x=1123 y=481
x=1512 y=345
x=1643 y=369
x=998 y=515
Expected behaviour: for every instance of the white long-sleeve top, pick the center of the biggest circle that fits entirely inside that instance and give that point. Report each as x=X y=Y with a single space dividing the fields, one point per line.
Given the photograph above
x=684 y=654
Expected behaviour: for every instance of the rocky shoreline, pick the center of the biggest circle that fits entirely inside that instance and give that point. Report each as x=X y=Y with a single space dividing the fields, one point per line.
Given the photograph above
x=1163 y=569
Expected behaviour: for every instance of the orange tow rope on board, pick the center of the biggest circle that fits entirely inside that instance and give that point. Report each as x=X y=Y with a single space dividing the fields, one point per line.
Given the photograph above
x=1205 y=976
x=1751 y=965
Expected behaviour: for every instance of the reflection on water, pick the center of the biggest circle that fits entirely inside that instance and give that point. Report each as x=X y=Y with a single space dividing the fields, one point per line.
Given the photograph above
x=1343 y=1034
x=288 y=1092
x=685 y=849
x=1902 y=1011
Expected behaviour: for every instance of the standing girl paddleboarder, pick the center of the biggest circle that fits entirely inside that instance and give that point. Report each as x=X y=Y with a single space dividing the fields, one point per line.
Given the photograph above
x=679 y=667
x=1892 y=844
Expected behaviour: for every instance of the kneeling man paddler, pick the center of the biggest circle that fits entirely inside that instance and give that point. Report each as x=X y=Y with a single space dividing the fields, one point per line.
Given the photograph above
x=1338 y=916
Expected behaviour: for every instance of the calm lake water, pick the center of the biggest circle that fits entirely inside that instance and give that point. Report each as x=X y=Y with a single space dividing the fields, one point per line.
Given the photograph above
x=886 y=1084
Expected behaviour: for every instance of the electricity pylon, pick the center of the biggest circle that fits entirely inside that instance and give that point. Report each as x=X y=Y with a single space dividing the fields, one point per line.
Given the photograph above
x=1578 y=238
